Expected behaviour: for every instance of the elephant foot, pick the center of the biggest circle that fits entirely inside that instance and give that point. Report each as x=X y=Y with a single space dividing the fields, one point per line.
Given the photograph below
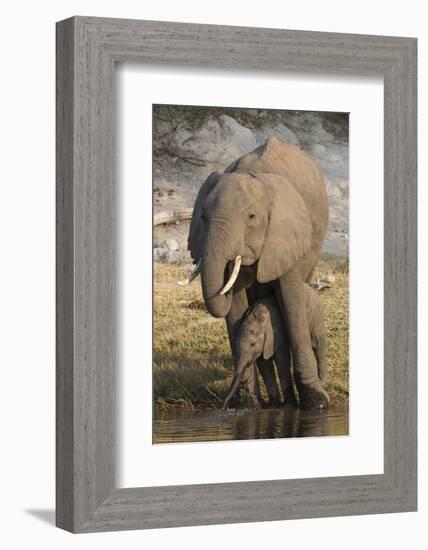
x=272 y=403
x=313 y=397
x=248 y=400
x=290 y=399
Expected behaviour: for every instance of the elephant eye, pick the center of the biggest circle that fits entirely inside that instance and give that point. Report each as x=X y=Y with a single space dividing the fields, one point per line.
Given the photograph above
x=253 y=344
x=251 y=215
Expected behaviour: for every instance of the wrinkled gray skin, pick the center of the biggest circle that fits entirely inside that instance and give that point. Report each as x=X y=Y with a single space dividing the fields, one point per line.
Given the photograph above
x=271 y=208
x=262 y=337
x=318 y=331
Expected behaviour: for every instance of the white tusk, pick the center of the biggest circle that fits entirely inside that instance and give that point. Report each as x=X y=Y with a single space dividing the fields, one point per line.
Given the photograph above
x=233 y=277
x=192 y=276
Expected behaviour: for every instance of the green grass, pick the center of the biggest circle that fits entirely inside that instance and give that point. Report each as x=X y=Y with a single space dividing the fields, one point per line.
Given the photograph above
x=192 y=363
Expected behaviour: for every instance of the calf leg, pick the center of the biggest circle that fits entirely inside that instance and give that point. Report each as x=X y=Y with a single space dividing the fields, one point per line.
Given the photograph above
x=267 y=371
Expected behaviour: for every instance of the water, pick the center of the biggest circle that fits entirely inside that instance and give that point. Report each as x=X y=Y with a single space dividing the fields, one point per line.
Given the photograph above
x=182 y=426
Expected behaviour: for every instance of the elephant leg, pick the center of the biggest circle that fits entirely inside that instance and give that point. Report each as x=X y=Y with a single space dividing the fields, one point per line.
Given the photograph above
x=250 y=398
x=269 y=380
x=283 y=364
x=253 y=398
x=267 y=371
x=320 y=353
x=291 y=298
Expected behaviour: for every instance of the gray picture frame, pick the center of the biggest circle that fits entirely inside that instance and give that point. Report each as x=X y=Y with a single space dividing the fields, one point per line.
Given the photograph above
x=87 y=51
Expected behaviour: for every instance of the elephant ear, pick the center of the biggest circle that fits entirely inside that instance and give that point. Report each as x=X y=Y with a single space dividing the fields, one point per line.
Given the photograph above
x=195 y=242
x=289 y=230
x=274 y=333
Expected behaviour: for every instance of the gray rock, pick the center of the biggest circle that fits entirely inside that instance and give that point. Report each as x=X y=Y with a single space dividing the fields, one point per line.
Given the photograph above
x=318 y=149
x=220 y=139
x=343 y=186
x=159 y=253
x=332 y=158
x=173 y=257
x=280 y=131
x=170 y=244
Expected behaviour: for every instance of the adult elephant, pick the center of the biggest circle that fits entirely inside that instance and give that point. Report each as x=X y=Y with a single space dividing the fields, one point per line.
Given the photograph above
x=264 y=220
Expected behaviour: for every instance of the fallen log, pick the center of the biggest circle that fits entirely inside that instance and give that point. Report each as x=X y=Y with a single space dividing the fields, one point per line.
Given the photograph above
x=172 y=216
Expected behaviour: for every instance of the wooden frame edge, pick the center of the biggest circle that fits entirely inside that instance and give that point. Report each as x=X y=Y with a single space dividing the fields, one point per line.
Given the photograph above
x=87 y=49
x=64 y=274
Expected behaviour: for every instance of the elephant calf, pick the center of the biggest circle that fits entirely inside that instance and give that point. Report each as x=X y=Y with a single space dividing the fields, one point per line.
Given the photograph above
x=262 y=337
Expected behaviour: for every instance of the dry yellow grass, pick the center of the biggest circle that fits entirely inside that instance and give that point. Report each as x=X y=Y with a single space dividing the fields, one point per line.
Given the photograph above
x=192 y=363
x=336 y=308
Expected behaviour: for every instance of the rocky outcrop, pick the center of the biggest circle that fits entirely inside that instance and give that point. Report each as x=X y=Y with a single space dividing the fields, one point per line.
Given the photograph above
x=220 y=139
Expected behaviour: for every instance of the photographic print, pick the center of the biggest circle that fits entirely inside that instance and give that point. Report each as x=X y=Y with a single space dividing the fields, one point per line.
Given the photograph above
x=251 y=273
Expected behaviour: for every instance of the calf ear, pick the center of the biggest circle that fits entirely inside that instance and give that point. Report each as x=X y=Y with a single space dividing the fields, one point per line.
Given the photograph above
x=273 y=339
x=268 y=347
x=196 y=239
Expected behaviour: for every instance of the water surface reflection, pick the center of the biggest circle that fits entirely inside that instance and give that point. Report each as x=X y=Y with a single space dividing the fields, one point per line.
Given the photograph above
x=183 y=426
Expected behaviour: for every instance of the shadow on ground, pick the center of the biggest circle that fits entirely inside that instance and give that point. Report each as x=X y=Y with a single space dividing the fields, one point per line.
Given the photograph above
x=46 y=515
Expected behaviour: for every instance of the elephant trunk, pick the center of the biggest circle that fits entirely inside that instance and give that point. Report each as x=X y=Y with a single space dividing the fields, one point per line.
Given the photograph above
x=214 y=264
x=237 y=379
